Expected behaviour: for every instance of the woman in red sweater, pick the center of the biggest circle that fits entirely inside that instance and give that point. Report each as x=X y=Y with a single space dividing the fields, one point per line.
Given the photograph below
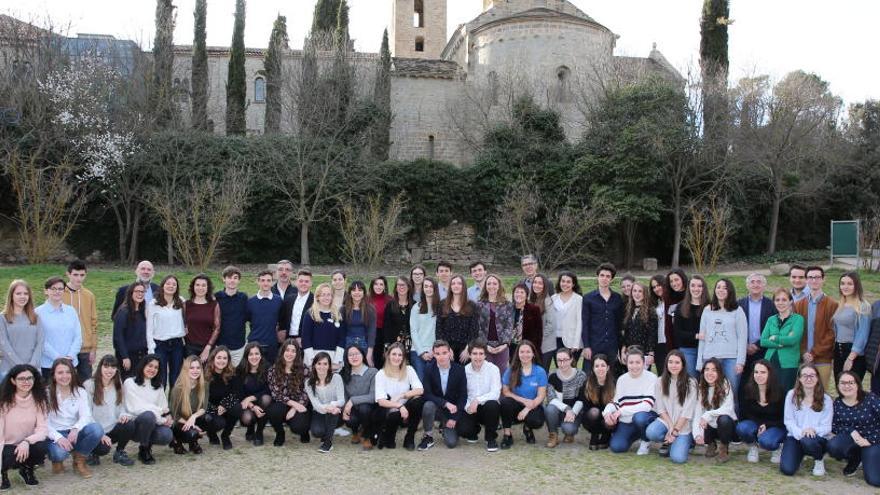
x=379 y=298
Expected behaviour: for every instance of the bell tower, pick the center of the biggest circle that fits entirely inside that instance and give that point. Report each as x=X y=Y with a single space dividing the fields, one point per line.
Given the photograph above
x=418 y=28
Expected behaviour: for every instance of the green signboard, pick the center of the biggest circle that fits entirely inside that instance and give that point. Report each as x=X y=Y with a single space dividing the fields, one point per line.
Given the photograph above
x=844 y=239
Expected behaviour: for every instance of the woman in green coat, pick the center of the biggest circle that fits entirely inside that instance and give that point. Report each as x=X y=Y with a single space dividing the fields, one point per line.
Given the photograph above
x=782 y=339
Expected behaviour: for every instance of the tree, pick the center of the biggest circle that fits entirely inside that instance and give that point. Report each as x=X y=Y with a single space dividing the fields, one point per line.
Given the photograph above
x=326 y=16
x=711 y=224
x=164 y=109
x=854 y=190
x=370 y=229
x=714 y=65
x=278 y=44
x=380 y=141
x=236 y=84
x=786 y=137
x=200 y=68
x=341 y=32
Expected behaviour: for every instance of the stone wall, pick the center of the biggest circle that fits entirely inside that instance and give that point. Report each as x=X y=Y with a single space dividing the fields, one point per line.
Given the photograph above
x=456 y=243
x=403 y=33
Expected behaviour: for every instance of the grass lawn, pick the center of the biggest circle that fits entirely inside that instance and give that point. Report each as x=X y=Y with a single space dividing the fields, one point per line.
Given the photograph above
x=300 y=468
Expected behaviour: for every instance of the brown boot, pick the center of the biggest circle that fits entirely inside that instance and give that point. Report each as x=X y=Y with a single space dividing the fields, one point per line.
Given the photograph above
x=57 y=468
x=355 y=438
x=552 y=440
x=723 y=454
x=711 y=449
x=79 y=465
x=568 y=439
x=366 y=444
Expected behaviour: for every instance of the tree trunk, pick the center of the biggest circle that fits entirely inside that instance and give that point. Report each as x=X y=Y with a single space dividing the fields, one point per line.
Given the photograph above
x=170 y=244
x=304 y=243
x=676 y=246
x=629 y=229
x=135 y=232
x=774 y=222
x=122 y=234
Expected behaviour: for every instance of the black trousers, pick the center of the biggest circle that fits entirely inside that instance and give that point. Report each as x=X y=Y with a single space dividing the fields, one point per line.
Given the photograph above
x=841 y=352
x=361 y=417
x=594 y=422
x=147 y=432
x=487 y=415
x=323 y=425
x=723 y=433
x=223 y=424
x=121 y=434
x=133 y=356
x=298 y=424
x=188 y=436
x=511 y=408
x=36 y=455
x=387 y=421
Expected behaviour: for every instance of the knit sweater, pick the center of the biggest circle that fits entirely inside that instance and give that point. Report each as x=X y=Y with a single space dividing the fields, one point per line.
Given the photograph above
x=726 y=333
x=20 y=342
x=361 y=386
x=83 y=301
x=783 y=337
x=671 y=406
x=108 y=413
x=323 y=396
x=632 y=395
x=458 y=329
x=139 y=399
x=422 y=329
x=641 y=333
x=711 y=415
x=23 y=421
x=564 y=393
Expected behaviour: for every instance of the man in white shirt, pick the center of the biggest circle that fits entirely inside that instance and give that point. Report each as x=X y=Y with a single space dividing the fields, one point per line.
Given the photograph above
x=444 y=274
x=484 y=390
x=297 y=305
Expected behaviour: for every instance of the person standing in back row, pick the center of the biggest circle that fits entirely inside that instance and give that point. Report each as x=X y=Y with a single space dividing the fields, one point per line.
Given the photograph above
x=83 y=301
x=144 y=272
x=602 y=312
x=817 y=347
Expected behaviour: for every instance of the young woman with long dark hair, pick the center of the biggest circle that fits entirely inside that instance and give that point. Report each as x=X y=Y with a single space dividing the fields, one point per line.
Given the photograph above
x=145 y=399
x=360 y=319
x=598 y=393
x=397 y=313
x=686 y=322
x=423 y=327
x=566 y=306
x=524 y=388
x=130 y=329
x=676 y=396
x=632 y=409
x=105 y=400
x=715 y=417
x=540 y=297
x=639 y=325
x=808 y=419
x=201 y=317
x=166 y=329
x=657 y=301
x=564 y=399
x=496 y=321
x=360 y=397
x=856 y=428
x=224 y=402
x=761 y=413
x=379 y=298
x=71 y=427
x=458 y=319
x=289 y=400
x=254 y=393
x=725 y=329
x=527 y=320
x=23 y=409
x=327 y=396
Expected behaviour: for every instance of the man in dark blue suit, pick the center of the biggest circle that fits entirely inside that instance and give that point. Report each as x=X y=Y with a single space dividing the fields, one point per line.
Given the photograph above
x=758 y=309
x=445 y=394
x=143 y=273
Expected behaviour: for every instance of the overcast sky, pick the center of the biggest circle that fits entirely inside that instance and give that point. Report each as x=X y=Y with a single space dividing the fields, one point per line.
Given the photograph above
x=838 y=40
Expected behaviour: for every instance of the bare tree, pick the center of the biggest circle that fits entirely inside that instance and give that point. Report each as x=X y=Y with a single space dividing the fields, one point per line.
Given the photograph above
x=711 y=224
x=369 y=230
x=48 y=202
x=200 y=214
x=559 y=234
x=785 y=137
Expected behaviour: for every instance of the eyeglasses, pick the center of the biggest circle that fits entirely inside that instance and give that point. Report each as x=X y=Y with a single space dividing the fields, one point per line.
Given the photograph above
x=24 y=379
x=563 y=360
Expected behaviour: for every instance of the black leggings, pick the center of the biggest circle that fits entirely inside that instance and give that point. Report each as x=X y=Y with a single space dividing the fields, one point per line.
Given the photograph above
x=594 y=422
x=387 y=421
x=121 y=434
x=360 y=417
x=487 y=415
x=298 y=424
x=723 y=433
x=215 y=423
x=188 y=436
x=248 y=418
x=36 y=455
x=511 y=408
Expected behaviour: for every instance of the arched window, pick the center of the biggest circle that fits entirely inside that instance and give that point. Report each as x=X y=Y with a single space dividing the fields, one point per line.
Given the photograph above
x=420 y=43
x=260 y=90
x=430 y=147
x=492 y=81
x=419 y=13
x=563 y=77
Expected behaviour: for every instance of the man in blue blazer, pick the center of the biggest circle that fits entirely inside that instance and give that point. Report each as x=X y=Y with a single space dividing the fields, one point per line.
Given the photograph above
x=144 y=273
x=758 y=309
x=445 y=394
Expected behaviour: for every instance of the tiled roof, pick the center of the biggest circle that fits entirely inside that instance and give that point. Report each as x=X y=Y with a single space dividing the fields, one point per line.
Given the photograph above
x=416 y=67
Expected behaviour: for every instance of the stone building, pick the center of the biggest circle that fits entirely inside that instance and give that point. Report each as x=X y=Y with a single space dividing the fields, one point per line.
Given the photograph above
x=446 y=90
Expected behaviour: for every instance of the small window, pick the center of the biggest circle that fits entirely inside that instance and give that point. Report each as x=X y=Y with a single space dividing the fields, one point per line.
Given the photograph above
x=260 y=90
x=493 y=87
x=430 y=147
x=419 y=13
x=420 y=43
x=184 y=90
x=563 y=76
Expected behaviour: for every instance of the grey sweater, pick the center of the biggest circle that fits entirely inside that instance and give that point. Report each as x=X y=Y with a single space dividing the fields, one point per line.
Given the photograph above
x=324 y=396
x=361 y=389
x=20 y=342
x=726 y=336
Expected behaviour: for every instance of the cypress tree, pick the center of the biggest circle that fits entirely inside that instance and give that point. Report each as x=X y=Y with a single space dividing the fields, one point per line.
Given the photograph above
x=341 y=35
x=236 y=84
x=325 y=16
x=162 y=90
x=381 y=133
x=714 y=65
x=274 y=74
x=200 y=68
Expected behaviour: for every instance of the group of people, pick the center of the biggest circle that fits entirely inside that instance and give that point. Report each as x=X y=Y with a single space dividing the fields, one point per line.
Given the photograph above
x=438 y=353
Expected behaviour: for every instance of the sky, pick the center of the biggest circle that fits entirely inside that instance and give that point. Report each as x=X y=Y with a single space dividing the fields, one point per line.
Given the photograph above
x=837 y=40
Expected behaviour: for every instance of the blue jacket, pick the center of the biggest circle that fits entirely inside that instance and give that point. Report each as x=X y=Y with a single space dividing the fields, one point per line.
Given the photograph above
x=233 y=318
x=768 y=309
x=456 y=387
x=601 y=322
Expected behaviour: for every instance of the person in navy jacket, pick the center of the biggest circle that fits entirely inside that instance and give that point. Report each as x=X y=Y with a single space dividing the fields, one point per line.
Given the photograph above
x=601 y=315
x=445 y=396
x=758 y=309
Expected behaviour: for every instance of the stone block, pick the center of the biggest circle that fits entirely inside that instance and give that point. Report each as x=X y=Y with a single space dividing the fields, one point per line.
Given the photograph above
x=649 y=264
x=780 y=269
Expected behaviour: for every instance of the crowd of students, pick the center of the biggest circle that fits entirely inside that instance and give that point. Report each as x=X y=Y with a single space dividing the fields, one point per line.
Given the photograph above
x=457 y=360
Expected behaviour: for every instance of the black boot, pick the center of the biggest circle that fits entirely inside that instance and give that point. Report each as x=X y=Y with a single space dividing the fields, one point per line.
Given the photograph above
x=213 y=439
x=27 y=474
x=249 y=434
x=177 y=446
x=5 y=485
x=227 y=443
x=194 y=446
x=279 y=437
x=145 y=454
x=258 y=437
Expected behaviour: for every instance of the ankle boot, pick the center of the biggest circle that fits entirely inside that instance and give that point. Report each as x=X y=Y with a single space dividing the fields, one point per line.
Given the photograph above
x=249 y=434
x=711 y=449
x=552 y=440
x=723 y=454
x=57 y=467
x=5 y=484
x=194 y=447
x=79 y=465
x=27 y=474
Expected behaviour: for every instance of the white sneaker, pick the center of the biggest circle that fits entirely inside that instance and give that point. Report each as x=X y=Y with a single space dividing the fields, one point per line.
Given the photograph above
x=644 y=448
x=819 y=468
x=777 y=456
x=752 y=456
x=341 y=432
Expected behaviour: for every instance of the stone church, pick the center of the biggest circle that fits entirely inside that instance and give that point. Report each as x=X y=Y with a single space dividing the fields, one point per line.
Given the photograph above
x=445 y=90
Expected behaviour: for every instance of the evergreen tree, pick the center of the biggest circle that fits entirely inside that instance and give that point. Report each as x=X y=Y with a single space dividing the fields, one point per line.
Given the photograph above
x=714 y=65
x=325 y=16
x=278 y=43
x=381 y=132
x=200 y=68
x=341 y=34
x=236 y=85
x=162 y=90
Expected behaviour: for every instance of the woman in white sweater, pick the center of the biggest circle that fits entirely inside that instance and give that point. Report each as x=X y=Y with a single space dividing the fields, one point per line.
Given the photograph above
x=724 y=333
x=808 y=419
x=105 y=400
x=566 y=307
x=145 y=400
x=676 y=398
x=632 y=409
x=399 y=395
x=715 y=418
x=327 y=395
x=70 y=425
x=166 y=330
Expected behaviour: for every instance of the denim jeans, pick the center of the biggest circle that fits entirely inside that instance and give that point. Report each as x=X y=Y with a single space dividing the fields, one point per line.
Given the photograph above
x=170 y=353
x=747 y=431
x=626 y=433
x=843 y=447
x=86 y=441
x=729 y=366
x=556 y=419
x=690 y=358
x=678 y=450
x=419 y=365
x=793 y=452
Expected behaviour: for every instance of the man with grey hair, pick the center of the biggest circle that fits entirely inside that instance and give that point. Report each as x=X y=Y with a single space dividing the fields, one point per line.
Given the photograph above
x=143 y=273
x=529 y=265
x=283 y=287
x=758 y=309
